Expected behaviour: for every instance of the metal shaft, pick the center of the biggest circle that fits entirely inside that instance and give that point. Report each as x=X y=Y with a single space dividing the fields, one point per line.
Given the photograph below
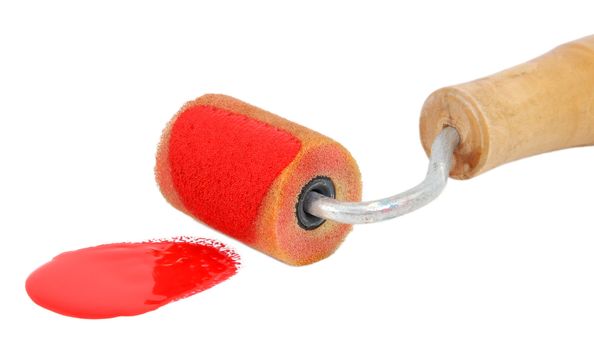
x=440 y=164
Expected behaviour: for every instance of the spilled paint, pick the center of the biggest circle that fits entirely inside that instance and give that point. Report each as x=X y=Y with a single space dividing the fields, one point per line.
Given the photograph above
x=125 y=279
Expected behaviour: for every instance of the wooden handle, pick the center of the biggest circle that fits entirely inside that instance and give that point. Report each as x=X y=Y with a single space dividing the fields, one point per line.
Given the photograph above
x=539 y=106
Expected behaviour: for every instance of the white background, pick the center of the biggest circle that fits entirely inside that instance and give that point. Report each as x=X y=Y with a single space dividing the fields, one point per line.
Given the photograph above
x=503 y=261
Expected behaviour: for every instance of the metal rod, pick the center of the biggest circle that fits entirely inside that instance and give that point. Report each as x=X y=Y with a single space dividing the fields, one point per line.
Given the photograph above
x=440 y=164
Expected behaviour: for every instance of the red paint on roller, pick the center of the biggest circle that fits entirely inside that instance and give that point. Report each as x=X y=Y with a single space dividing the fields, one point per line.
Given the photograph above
x=125 y=279
x=223 y=165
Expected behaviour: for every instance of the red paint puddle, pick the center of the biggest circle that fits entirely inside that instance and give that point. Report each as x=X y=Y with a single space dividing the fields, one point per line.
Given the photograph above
x=125 y=279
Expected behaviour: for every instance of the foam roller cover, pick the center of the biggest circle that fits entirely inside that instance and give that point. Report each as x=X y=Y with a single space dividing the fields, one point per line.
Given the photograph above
x=241 y=170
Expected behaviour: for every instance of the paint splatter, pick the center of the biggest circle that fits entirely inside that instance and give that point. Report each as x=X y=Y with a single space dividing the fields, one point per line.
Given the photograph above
x=125 y=279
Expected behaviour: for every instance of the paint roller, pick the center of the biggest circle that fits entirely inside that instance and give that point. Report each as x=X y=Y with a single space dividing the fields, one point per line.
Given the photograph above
x=294 y=194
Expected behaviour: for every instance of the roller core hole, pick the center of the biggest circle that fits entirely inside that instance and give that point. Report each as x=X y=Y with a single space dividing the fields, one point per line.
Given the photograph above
x=322 y=185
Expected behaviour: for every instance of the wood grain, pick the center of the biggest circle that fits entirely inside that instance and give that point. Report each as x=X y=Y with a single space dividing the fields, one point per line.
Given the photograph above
x=542 y=105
